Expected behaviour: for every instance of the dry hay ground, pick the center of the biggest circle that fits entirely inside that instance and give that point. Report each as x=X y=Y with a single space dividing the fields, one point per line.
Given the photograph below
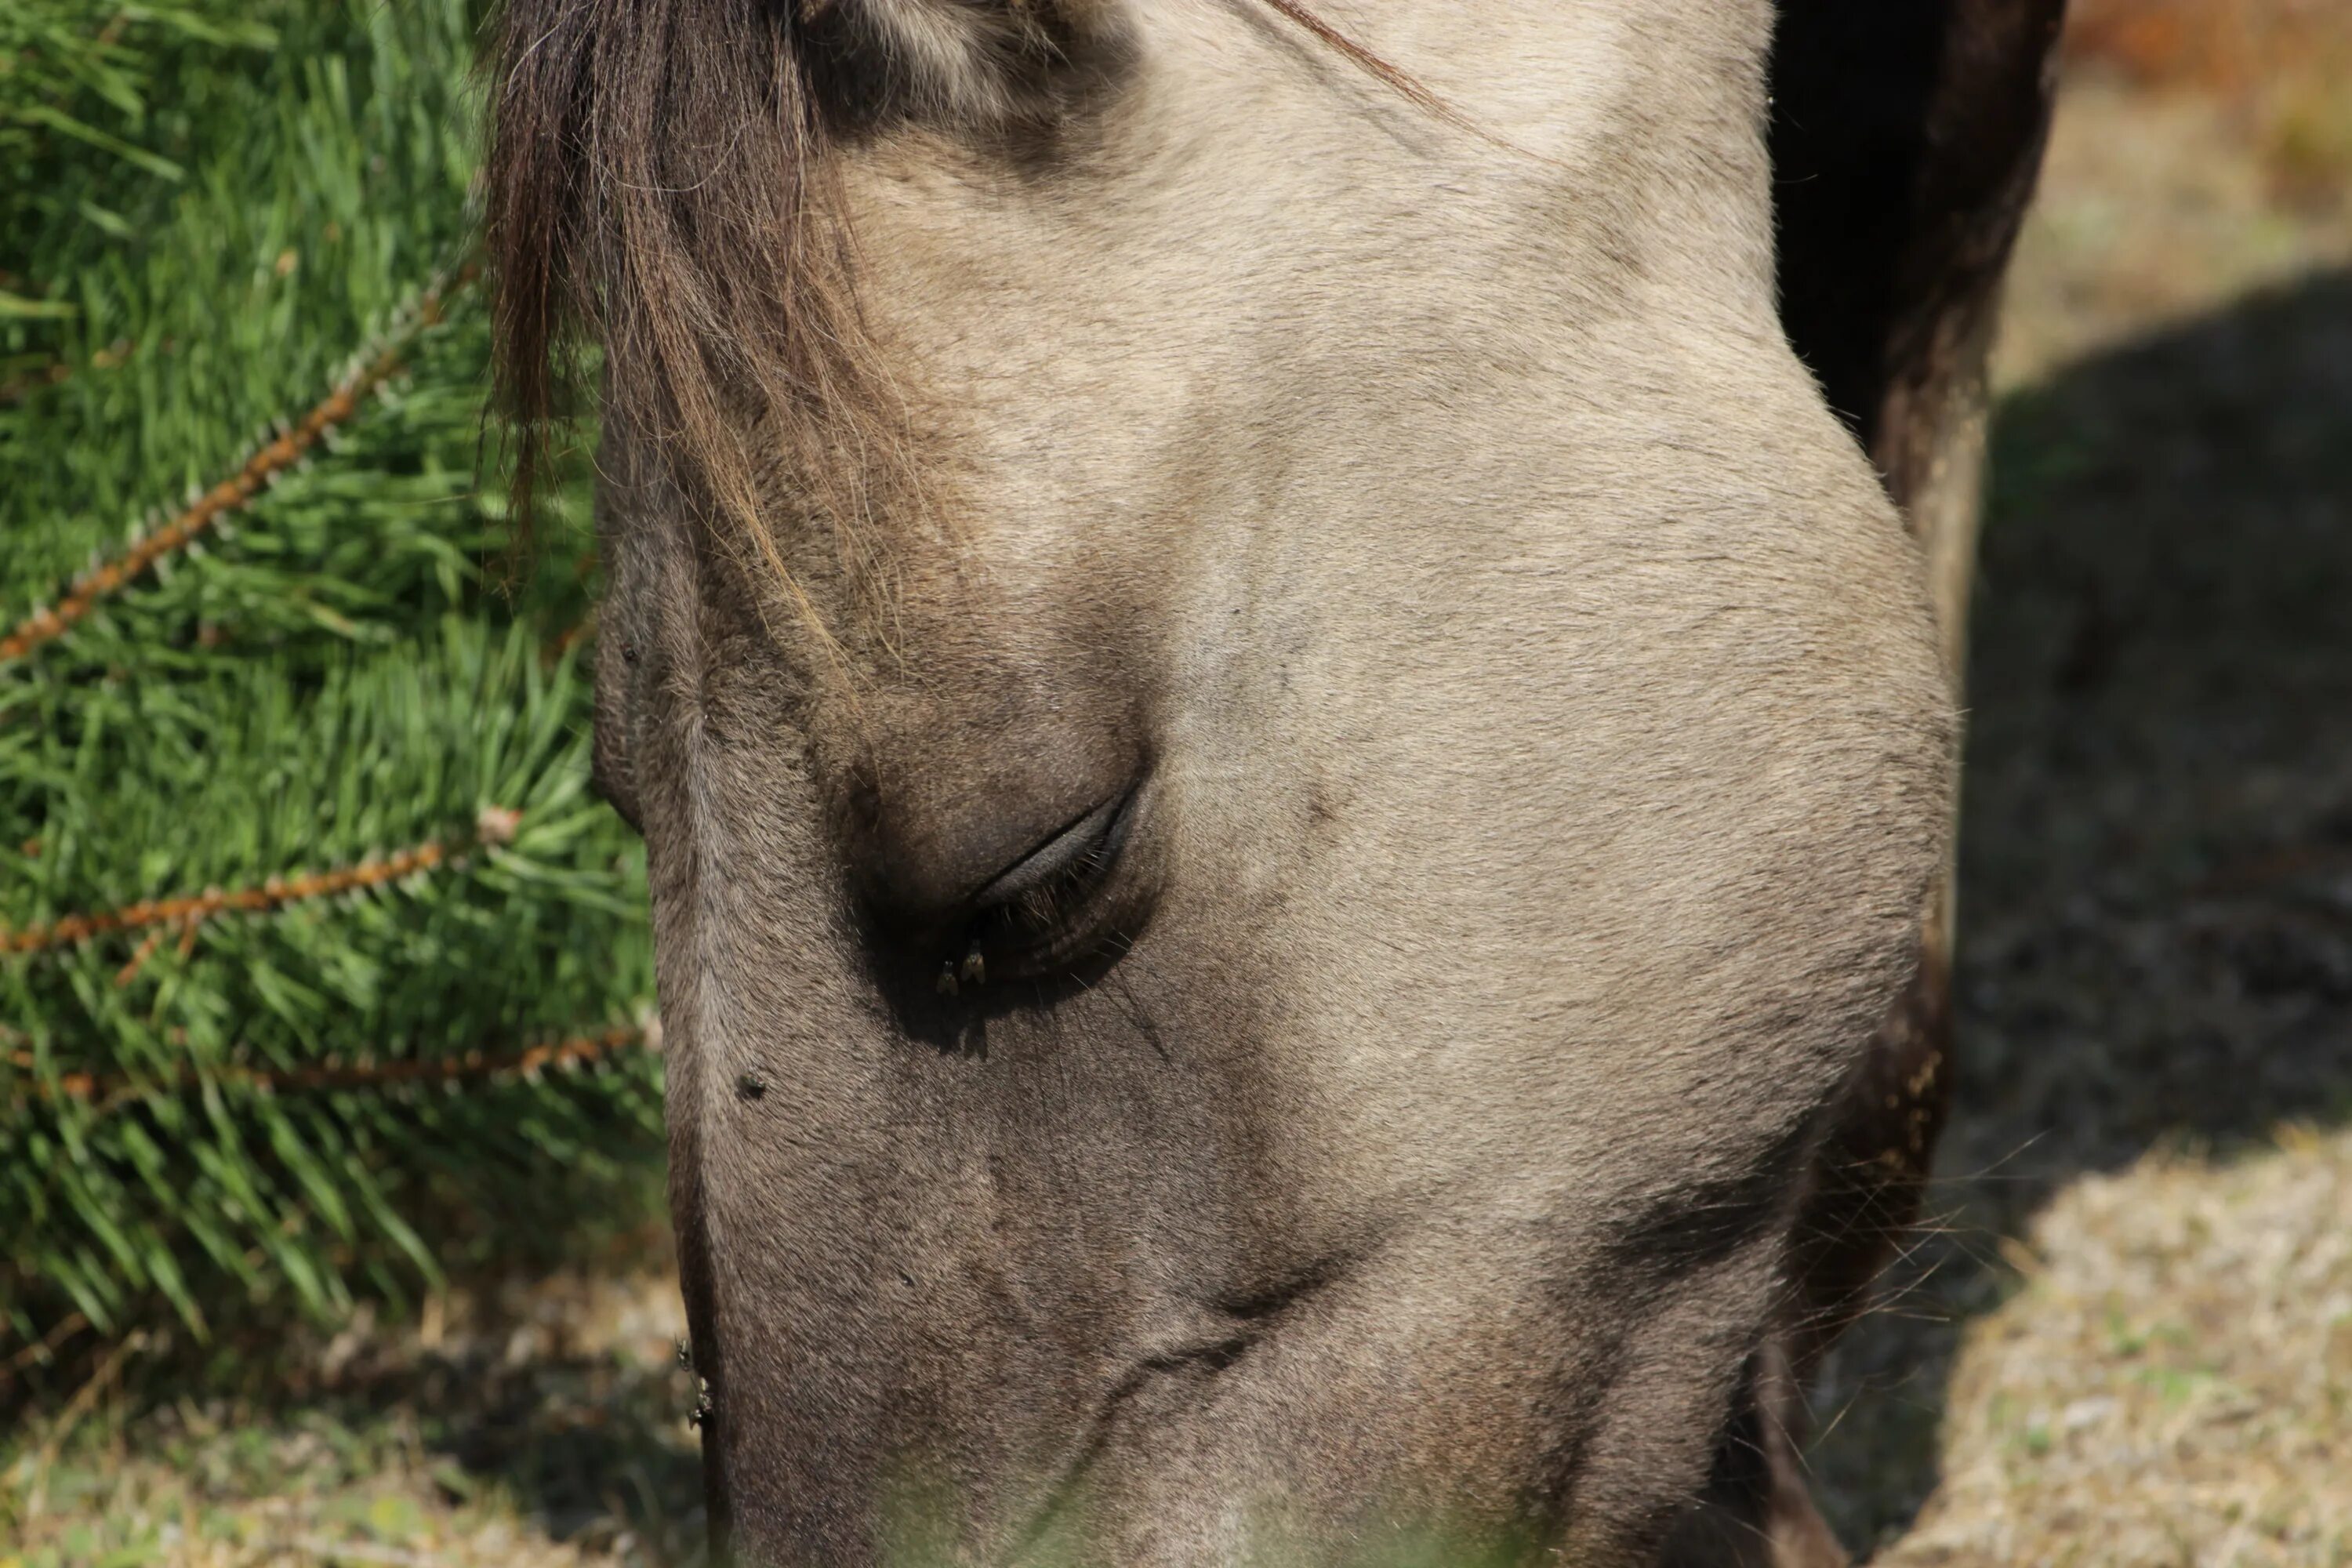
x=532 y=1424
x=2130 y=1341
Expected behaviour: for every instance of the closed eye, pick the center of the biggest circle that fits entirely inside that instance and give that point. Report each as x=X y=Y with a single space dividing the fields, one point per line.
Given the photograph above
x=1045 y=909
x=1075 y=849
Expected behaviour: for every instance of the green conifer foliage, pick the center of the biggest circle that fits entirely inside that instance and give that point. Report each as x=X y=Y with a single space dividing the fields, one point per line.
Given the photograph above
x=319 y=964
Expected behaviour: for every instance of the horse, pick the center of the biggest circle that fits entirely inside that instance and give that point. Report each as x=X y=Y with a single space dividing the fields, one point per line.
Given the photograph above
x=1290 y=678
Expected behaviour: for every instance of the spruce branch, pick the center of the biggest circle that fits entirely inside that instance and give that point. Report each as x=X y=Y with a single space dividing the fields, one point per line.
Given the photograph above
x=496 y=826
x=273 y=459
x=573 y=1051
x=385 y=1063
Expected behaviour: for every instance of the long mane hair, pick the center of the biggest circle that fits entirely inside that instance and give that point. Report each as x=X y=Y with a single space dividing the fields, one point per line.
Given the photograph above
x=648 y=178
x=649 y=190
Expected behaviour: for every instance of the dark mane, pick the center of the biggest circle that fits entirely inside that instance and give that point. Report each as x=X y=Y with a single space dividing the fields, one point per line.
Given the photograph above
x=649 y=183
x=648 y=177
x=650 y=191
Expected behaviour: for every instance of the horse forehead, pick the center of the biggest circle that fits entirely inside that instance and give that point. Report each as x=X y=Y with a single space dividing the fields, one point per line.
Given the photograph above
x=1258 y=254
x=1240 y=171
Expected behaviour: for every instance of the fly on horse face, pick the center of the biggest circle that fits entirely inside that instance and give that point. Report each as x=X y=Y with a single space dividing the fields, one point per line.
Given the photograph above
x=1288 y=677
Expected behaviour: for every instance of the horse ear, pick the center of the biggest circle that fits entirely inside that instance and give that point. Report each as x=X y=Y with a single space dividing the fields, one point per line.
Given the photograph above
x=960 y=61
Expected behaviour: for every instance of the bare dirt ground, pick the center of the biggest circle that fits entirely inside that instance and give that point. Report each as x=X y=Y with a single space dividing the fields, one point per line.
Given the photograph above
x=2130 y=1340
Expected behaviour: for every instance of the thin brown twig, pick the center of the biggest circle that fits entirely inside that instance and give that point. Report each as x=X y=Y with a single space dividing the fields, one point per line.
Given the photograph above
x=140 y=956
x=574 y=1051
x=44 y=625
x=53 y=1440
x=61 y=1331
x=495 y=824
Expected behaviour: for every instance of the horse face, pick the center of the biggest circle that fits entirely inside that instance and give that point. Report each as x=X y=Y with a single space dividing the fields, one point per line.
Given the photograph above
x=1256 y=935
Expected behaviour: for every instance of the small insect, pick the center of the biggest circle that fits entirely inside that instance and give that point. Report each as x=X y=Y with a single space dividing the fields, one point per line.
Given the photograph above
x=946 y=984
x=975 y=968
x=750 y=1086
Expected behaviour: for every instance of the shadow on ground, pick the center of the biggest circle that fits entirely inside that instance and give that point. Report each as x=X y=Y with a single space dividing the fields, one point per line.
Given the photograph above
x=589 y=1448
x=2156 y=931
x=547 y=1419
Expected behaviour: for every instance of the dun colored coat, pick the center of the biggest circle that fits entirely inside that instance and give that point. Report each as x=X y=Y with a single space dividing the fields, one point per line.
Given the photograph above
x=1289 y=679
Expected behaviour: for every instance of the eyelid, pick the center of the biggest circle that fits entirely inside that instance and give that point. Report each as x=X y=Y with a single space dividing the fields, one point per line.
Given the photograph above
x=1092 y=833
